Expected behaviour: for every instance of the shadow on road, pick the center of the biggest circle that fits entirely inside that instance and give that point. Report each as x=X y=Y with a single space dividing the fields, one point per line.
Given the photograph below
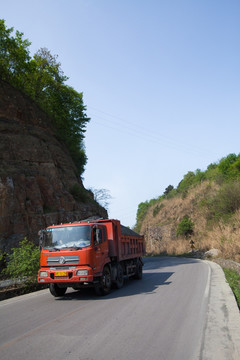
x=156 y=274
x=149 y=284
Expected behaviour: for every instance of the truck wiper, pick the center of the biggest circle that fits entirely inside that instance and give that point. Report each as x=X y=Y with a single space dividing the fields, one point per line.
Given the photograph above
x=74 y=248
x=54 y=249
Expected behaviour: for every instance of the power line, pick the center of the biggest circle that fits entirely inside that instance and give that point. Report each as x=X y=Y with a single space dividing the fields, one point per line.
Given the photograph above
x=120 y=125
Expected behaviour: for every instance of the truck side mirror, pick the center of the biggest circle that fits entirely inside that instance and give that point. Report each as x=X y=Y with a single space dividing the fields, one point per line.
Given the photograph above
x=97 y=235
x=42 y=235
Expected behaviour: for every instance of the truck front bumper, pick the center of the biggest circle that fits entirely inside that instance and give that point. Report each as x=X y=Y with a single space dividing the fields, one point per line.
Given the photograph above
x=74 y=276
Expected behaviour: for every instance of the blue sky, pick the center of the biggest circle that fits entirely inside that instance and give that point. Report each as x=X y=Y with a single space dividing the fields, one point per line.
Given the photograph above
x=160 y=80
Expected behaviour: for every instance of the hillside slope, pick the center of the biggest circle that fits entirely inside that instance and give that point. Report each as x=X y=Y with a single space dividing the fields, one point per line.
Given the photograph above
x=39 y=183
x=161 y=222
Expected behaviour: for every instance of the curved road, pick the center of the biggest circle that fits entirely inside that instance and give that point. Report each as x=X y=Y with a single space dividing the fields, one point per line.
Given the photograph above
x=178 y=311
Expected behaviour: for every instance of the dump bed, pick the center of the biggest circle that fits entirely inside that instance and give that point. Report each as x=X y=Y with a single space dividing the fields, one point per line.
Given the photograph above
x=131 y=244
x=123 y=243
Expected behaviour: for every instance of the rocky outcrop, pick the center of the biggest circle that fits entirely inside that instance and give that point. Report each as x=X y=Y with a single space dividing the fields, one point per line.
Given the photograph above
x=212 y=253
x=161 y=221
x=38 y=179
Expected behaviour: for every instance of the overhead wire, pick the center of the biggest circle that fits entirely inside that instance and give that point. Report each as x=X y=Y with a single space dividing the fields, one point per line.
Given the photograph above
x=119 y=125
x=139 y=131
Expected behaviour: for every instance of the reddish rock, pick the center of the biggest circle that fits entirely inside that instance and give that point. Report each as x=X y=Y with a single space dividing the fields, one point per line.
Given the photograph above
x=36 y=173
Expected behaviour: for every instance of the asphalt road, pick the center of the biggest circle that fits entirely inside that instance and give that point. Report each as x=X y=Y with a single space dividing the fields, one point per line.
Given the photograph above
x=170 y=314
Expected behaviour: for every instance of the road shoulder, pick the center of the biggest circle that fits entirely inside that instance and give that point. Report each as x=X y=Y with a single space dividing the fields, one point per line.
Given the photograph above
x=221 y=337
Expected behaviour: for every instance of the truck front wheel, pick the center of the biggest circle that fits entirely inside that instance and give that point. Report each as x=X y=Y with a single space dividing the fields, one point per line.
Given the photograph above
x=104 y=286
x=56 y=291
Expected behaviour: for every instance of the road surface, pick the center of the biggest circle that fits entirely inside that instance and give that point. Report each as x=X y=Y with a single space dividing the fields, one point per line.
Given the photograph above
x=168 y=315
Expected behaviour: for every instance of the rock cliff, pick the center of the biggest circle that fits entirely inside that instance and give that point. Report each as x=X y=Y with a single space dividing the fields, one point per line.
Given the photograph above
x=39 y=185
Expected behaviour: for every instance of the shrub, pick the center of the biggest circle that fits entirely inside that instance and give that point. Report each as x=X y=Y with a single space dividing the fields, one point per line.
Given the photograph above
x=234 y=170
x=3 y=256
x=24 y=261
x=141 y=213
x=226 y=163
x=168 y=189
x=200 y=176
x=79 y=193
x=185 y=227
x=157 y=209
x=226 y=201
x=187 y=182
x=171 y=194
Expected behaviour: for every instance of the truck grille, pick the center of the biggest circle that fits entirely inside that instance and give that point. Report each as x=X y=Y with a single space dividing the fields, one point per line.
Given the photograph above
x=69 y=276
x=62 y=260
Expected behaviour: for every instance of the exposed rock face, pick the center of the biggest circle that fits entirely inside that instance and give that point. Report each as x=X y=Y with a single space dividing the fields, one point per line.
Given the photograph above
x=160 y=227
x=212 y=253
x=36 y=173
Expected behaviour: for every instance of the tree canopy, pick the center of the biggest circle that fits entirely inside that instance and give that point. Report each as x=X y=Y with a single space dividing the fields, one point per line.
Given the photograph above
x=43 y=80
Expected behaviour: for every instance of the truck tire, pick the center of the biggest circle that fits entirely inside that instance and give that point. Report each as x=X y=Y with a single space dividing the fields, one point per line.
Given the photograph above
x=138 y=274
x=104 y=287
x=56 y=291
x=120 y=279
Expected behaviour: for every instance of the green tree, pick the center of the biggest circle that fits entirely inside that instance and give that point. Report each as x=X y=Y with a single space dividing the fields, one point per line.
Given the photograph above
x=225 y=163
x=168 y=189
x=44 y=75
x=141 y=213
x=24 y=261
x=14 y=56
x=42 y=78
x=69 y=117
x=186 y=182
x=199 y=176
x=234 y=169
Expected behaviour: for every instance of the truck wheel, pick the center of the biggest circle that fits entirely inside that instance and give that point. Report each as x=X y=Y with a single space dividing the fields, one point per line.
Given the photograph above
x=138 y=274
x=56 y=291
x=105 y=283
x=120 y=280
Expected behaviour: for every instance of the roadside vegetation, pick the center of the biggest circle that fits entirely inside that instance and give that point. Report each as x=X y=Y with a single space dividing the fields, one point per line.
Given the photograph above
x=21 y=266
x=205 y=206
x=225 y=173
x=23 y=262
x=41 y=78
x=233 y=278
x=185 y=227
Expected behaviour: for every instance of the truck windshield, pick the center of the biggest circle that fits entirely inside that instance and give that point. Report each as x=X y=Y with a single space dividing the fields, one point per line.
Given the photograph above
x=68 y=237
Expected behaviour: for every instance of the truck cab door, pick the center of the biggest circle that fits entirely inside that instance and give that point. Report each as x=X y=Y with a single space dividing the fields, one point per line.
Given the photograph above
x=100 y=248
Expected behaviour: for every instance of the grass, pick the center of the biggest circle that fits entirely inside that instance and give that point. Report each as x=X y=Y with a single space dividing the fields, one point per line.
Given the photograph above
x=233 y=278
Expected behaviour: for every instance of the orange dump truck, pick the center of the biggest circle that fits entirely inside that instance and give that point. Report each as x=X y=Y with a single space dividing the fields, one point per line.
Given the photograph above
x=97 y=253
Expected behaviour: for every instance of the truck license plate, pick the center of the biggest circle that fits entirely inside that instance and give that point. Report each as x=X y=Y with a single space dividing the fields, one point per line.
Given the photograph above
x=60 y=273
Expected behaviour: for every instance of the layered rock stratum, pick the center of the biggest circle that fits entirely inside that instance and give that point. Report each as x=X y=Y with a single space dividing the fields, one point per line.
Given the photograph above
x=37 y=174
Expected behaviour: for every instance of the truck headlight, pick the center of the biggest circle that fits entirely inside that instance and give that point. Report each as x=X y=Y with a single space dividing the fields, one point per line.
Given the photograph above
x=81 y=272
x=43 y=274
